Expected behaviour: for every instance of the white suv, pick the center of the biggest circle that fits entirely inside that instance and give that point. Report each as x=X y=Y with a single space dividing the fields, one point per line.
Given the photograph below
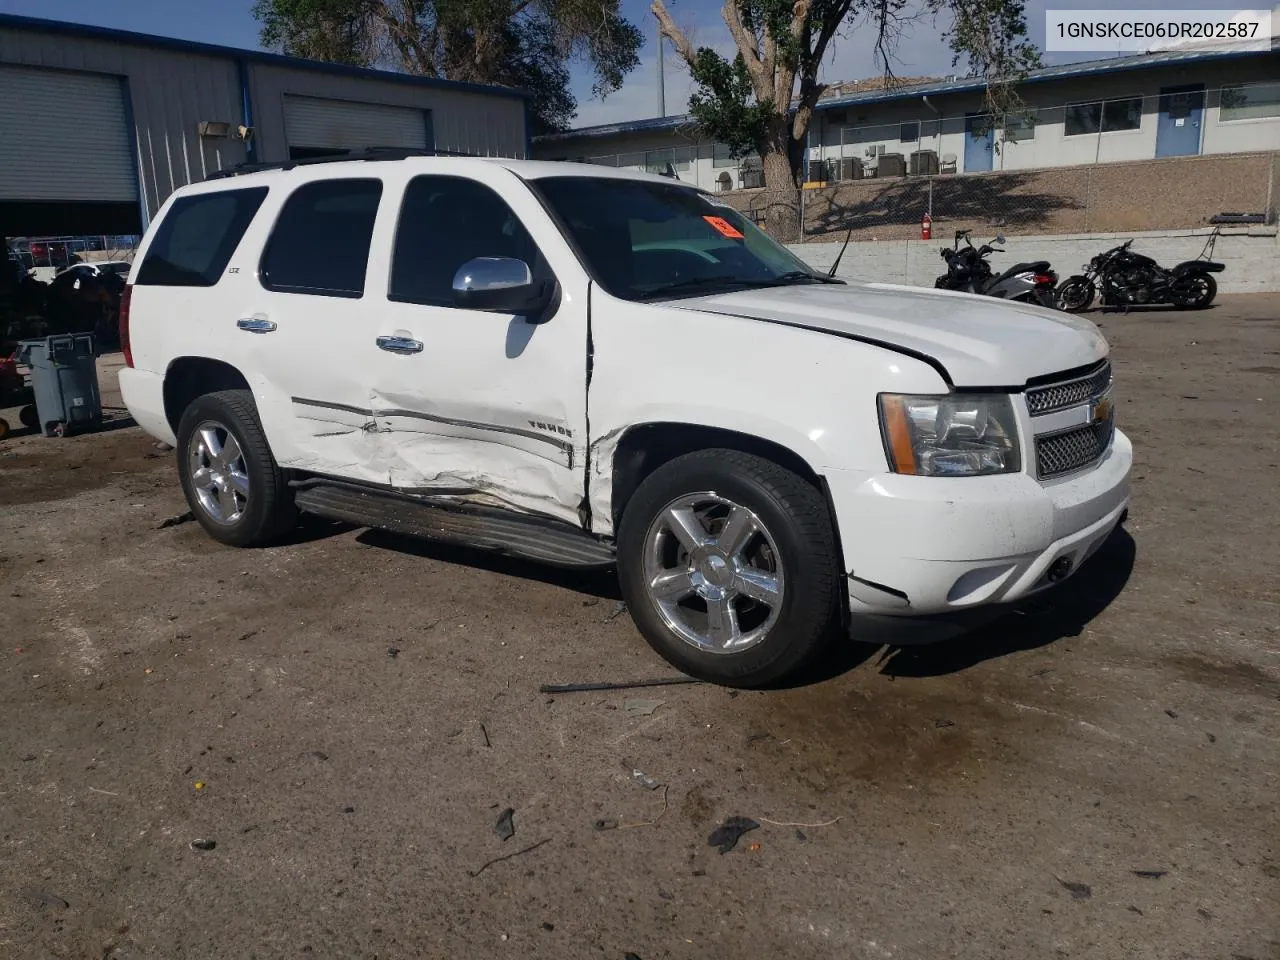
x=584 y=366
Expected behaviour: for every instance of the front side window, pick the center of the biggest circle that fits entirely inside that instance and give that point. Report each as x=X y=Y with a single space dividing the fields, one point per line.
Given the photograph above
x=650 y=241
x=197 y=237
x=320 y=243
x=444 y=222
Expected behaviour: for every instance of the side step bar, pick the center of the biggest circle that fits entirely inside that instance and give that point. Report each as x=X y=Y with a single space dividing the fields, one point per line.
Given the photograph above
x=513 y=534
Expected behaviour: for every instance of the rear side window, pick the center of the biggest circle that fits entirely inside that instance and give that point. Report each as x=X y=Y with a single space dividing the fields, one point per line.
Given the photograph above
x=320 y=244
x=197 y=237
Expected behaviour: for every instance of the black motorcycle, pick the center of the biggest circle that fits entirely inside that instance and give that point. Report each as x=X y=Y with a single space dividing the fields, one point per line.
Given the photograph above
x=968 y=270
x=1126 y=279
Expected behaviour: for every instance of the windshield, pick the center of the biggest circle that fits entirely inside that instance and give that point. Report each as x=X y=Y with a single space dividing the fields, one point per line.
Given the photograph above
x=650 y=241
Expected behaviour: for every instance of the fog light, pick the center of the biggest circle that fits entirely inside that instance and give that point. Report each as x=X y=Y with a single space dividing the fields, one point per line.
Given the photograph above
x=1059 y=569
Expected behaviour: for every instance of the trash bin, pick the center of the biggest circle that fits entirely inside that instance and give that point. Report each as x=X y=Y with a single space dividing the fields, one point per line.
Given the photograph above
x=64 y=378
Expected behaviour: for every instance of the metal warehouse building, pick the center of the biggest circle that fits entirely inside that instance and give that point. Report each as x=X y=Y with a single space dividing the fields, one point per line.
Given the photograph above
x=100 y=125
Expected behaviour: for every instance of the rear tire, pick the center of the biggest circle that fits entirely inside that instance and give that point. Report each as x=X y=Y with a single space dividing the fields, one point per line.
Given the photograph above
x=1075 y=294
x=233 y=484
x=728 y=565
x=1200 y=295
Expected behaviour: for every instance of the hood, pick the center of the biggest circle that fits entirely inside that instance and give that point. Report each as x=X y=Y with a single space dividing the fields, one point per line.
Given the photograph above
x=978 y=341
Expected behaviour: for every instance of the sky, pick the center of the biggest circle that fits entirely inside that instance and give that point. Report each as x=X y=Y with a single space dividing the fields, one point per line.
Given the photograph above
x=921 y=51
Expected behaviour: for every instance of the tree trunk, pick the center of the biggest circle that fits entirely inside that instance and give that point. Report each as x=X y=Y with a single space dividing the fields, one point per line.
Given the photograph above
x=781 y=195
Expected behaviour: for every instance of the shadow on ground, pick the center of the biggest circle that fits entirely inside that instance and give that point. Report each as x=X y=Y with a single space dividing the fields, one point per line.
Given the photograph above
x=983 y=201
x=1047 y=618
x=596 y=583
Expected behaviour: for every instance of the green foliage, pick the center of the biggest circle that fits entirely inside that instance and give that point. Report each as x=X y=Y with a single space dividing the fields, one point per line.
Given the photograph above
x=517 y=43
x=330 y=30
x=724 y=106
x=782 y=45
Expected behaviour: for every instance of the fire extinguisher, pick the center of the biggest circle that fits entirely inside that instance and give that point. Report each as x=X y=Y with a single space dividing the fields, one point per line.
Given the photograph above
x=926 y=228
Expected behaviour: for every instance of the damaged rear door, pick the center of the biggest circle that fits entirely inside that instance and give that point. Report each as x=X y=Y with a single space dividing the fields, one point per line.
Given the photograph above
x=301 y=315
x=487 y=407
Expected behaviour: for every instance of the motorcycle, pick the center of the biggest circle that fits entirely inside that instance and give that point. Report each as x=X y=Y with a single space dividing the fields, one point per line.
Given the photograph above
x=1126 y=279
x=968 y=270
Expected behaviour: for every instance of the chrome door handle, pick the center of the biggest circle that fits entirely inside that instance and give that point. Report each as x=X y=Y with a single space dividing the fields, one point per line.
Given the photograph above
x=256 y=325
x=404 y=345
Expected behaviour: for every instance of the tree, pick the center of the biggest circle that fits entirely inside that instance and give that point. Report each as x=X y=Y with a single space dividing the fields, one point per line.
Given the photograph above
x=515 y=43
x=763 y=100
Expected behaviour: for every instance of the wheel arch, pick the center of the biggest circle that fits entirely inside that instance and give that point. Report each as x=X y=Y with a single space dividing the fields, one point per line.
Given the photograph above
x=643 y=448
x=634 y=453
x=189 y=377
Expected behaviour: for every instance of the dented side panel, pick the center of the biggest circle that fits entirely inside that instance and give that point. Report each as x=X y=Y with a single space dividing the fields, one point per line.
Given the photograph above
x=493 y=408
x=659 y=363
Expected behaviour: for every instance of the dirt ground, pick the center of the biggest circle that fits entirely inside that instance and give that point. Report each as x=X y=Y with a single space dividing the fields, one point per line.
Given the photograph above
x=347 y=716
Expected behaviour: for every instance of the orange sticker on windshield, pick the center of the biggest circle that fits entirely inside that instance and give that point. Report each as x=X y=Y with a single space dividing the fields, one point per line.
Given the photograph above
x=724 y=227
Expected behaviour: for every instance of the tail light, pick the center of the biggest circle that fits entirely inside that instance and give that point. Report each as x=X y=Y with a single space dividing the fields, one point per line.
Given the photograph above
x=1046 y=279
x=125 y=297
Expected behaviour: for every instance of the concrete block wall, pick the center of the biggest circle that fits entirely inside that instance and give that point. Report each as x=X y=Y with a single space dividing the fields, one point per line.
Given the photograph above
x=1251 y=255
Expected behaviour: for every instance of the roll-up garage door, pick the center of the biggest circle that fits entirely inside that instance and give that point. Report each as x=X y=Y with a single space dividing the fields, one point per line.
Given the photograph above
x=314 y=126
x=66 y=142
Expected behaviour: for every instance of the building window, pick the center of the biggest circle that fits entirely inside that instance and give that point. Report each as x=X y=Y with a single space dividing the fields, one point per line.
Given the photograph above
x=1108 y=117
x=1122 y=115
x=320 y=243
x=1254 y=101
x=909 y=132
x=655 y=161
x=1020 y=126
x=721 y=157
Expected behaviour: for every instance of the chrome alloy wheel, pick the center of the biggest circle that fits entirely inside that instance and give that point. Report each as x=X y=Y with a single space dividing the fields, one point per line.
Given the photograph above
x=218 y=473
x=713 y=572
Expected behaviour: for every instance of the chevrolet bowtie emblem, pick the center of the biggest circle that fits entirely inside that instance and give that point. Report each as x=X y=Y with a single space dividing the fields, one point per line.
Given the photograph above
x=1102 y=410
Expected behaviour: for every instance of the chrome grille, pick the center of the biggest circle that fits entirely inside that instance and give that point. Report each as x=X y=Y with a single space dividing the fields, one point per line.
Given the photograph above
x=1070 y=450
x=1069 y=393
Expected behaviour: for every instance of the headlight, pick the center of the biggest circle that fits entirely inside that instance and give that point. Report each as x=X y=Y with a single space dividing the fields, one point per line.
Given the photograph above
x=957 y=435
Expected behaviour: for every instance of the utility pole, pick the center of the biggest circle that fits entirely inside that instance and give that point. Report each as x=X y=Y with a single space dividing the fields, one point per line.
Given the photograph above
x=662 y=92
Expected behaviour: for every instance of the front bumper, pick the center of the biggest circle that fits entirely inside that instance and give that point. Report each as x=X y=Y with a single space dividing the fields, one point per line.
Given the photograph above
x=922 y=546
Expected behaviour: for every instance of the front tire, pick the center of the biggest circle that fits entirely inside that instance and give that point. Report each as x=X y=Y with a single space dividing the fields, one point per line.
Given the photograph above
x=1075 y=294
x=728 y=565
x=232 y=482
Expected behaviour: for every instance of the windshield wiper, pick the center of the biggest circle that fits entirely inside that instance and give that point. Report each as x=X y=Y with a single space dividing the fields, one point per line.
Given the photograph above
x=796 y=276
x=692 y=284
x=782 y=280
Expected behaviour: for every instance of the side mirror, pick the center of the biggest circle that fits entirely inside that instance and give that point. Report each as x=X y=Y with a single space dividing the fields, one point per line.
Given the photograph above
x=499 y=285
x=999 y=238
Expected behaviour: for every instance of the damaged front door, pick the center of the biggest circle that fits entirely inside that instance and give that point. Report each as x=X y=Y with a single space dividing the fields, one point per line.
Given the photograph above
x=483 y=406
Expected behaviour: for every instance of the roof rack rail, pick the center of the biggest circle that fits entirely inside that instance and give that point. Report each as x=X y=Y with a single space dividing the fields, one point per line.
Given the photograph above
x=371 y=153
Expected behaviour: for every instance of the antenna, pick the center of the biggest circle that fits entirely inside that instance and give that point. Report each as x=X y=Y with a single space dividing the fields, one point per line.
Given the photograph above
x=847 y=237
x=662 y=92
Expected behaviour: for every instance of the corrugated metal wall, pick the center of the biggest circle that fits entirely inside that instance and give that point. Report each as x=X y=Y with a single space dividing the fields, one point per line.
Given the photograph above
x=172 y=91
x=462 y=120
x=170 y=94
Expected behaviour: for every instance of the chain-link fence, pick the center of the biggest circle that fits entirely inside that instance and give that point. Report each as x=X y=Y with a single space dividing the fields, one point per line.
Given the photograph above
x=56 y=253
x=1158 y=161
